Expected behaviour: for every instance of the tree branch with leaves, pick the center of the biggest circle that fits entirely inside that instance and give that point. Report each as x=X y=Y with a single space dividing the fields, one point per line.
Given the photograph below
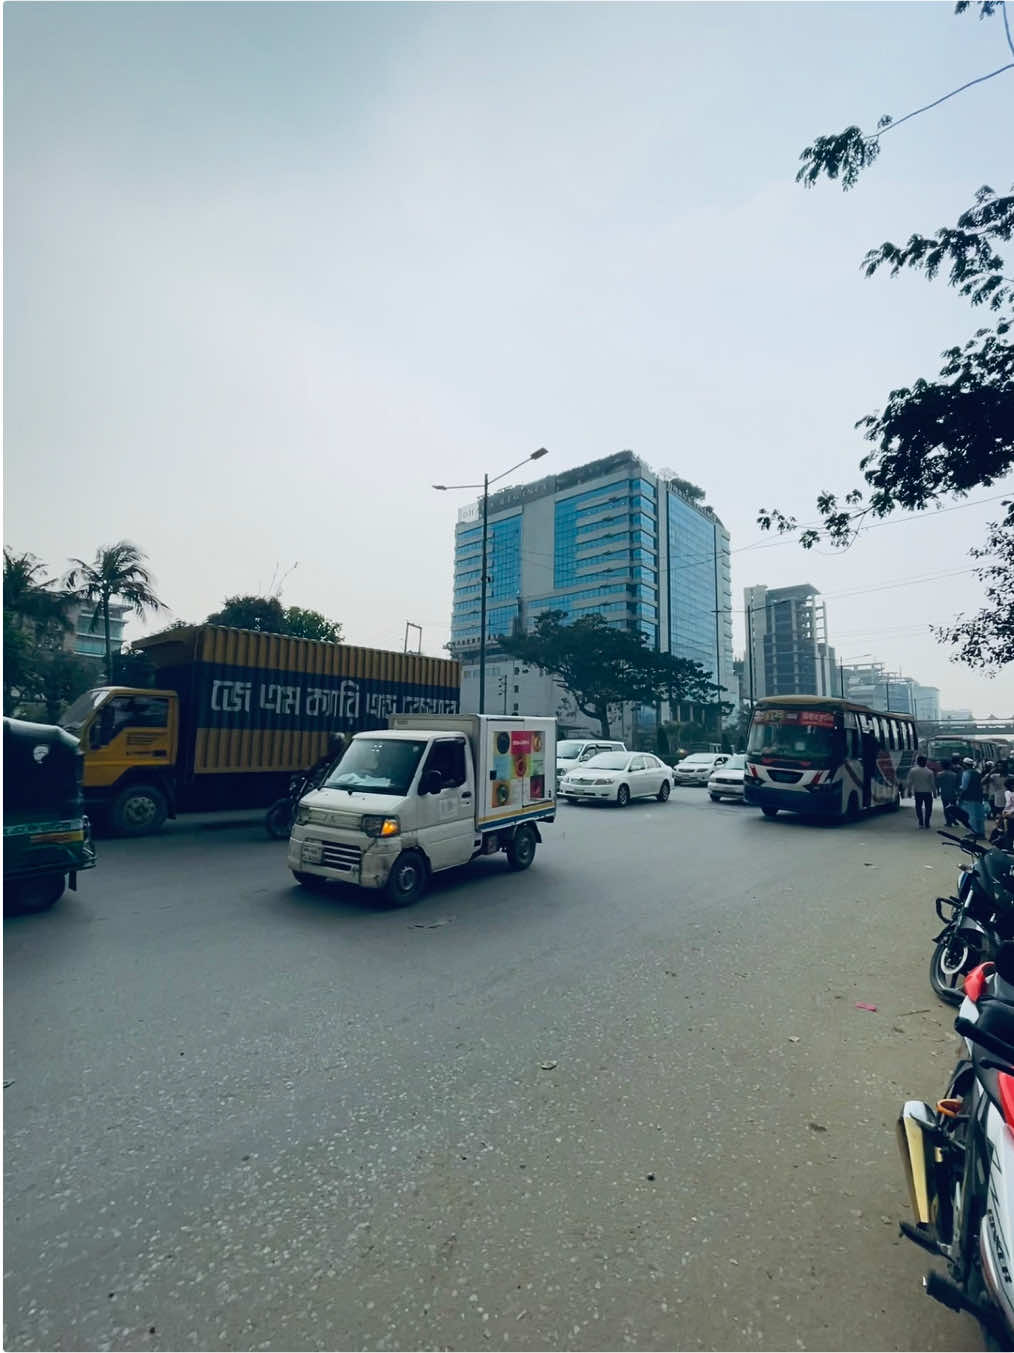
x=948 y=435
x=602 y=667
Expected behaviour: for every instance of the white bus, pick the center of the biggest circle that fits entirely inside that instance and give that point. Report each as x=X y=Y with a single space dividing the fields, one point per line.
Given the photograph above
x=826 y=758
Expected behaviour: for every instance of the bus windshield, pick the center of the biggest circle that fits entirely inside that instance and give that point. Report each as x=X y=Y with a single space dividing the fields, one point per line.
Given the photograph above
x=804 y=736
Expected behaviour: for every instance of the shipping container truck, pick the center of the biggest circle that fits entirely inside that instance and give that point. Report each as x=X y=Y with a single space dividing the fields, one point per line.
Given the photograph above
x=233 y=715
x=427 y=794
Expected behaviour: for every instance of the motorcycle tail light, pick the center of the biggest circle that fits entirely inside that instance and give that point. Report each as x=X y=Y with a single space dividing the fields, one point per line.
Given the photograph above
x=976 y=980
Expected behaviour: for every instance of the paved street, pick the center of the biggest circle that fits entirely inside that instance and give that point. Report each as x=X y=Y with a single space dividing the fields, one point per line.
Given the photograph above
x=625 y=1099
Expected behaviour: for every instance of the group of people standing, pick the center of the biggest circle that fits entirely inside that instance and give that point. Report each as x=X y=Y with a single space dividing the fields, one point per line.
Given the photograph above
x=966 y=794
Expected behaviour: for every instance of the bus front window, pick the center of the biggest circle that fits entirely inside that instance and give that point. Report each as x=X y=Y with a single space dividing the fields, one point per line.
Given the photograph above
x=803 y=737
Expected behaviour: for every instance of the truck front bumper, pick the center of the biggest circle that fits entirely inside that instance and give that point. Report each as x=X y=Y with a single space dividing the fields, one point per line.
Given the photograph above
x=345 y=857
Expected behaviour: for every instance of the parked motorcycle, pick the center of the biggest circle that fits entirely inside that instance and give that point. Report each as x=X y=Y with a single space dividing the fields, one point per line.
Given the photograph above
x=977 y=920
x=281 y=815
x=958 y=1158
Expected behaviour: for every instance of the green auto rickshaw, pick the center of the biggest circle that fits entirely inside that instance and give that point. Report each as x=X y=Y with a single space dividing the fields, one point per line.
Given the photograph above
x=47 y=838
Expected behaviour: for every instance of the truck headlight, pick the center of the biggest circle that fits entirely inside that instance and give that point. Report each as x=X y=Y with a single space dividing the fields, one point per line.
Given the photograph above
x=380 y=826
x=302 y=815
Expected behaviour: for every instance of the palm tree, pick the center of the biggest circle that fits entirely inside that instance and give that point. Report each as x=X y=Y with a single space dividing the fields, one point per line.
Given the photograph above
x=29 y=596
x=117 y=571
x=35 y=616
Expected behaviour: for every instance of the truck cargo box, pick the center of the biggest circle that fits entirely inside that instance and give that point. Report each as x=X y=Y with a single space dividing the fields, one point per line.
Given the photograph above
x=515 y=762
x=267 y=703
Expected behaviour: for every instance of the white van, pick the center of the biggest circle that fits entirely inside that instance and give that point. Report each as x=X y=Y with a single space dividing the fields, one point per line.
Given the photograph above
x=572 y=751
x=429 y=793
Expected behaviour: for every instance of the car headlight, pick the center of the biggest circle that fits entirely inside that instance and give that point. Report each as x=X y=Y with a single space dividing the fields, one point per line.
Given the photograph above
x=302 y=815
x=380 y=826
x=603 y=781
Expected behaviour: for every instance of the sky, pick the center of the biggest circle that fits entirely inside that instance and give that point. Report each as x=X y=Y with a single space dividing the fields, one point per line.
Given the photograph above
x=271 y=271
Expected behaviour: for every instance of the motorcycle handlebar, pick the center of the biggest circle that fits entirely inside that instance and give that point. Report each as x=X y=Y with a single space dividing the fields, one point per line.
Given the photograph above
x=968 y=843
x=990 y=1042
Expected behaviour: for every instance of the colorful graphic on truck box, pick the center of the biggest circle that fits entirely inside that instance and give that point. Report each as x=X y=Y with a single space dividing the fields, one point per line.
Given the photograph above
x=518 y=763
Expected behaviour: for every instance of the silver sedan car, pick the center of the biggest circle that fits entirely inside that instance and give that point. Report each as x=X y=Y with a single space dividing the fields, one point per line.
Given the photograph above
x=727 y=781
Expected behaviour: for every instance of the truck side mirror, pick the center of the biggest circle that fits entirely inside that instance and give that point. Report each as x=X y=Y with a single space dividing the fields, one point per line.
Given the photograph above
x=431 y=782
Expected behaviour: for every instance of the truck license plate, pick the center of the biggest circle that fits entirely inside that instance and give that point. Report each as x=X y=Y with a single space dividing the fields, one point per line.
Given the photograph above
x=312 y=852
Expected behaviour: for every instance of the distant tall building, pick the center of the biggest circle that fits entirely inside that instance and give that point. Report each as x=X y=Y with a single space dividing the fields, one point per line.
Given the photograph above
x=927 y=704
x=787 y=646
x=610 y=538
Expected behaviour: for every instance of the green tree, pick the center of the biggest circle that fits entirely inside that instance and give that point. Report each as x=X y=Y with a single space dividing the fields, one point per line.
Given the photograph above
x=118 y=572
x=952 y=433
x=63 y=677
x=304 y=624
x=602 y=667
x=36 y=618
x=266 y=615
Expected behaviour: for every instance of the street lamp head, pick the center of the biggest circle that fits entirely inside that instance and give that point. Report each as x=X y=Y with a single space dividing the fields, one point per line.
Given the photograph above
x=440 y=486
x=537 y=455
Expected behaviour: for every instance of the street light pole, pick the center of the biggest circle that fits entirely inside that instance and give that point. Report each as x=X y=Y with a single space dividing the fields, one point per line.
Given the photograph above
x=482 y=602
x=486 y=481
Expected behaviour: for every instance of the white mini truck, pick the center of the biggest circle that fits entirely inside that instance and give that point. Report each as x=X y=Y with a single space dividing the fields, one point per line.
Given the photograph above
x=428 y=793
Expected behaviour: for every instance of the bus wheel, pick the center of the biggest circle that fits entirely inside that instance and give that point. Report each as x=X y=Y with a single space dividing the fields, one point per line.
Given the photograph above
x=852 y=811
x=769 y=812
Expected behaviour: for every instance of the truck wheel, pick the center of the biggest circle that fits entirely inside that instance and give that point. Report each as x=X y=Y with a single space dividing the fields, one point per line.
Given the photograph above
x=30 y=895
x=138 y=810
x=407 y=880
x=521 y=848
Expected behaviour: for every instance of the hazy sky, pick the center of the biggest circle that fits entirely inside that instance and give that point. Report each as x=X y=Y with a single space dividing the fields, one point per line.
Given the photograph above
x=271 y=270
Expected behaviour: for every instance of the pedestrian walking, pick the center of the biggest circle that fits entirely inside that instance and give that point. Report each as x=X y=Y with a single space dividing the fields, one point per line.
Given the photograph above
x=971 y=797
x=923 y=784
x=948 y=781
x=1008 y=813
x=996 y=789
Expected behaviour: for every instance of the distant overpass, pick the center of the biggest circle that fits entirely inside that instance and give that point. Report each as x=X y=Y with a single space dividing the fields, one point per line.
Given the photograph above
x=1003 y=728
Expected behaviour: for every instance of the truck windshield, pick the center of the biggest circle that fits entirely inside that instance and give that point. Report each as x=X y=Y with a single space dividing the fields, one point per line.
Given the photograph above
x=74 y=718
x=568 y=750
x=377 y=766
x=806 y=737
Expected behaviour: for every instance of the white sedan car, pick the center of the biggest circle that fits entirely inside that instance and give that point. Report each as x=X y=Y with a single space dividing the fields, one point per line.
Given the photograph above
x=618 y=777
x=727 y=781
x=699 y=768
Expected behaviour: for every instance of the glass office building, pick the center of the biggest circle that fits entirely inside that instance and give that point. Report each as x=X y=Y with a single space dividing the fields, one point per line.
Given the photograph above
x=609 y=537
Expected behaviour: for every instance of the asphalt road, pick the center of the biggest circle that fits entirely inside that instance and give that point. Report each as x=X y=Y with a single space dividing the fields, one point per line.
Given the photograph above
x=625 y=1099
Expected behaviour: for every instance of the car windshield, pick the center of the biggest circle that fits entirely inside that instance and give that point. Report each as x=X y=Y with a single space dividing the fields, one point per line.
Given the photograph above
x=608 y=761
x=734 y=763
x=792 y=735
x=74 y=718
x=700 y=760
x=377 y=766
x=569 y=750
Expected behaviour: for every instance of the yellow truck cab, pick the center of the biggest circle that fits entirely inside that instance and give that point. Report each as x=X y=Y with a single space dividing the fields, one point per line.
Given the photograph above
x=130 y=739
x=424 y=795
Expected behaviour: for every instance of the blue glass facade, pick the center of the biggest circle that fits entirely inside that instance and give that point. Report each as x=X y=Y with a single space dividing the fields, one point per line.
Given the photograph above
x=603 y=534
x=692 y=595
x=503 y=572
x=595 y=540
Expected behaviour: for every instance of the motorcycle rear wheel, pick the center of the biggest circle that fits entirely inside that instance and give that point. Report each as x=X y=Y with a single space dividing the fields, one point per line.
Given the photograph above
x=953 y=957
